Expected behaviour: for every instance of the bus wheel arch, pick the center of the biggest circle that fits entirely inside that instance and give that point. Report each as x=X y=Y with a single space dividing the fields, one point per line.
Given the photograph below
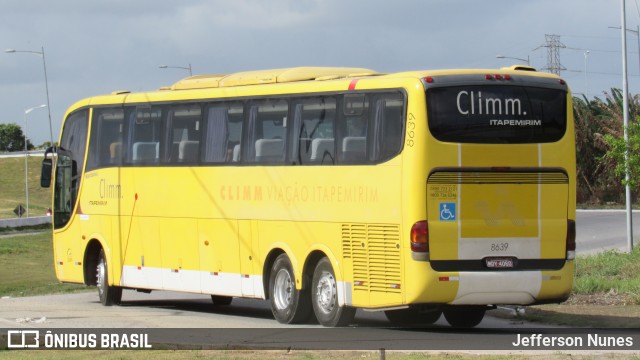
x=90 y=262
x=266 y=270
x=96 y=272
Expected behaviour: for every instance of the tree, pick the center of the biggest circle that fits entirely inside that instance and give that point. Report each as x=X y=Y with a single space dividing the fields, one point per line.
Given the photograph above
x=12 y=138
x=613 y=161
x=600 y=148
x=45 y=145
x=619 y=150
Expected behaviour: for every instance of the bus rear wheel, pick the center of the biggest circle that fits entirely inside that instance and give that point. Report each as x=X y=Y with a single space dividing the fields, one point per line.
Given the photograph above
x=464 y=316
x=109 y=295
x=288 y=304
x=324 y=297
x=413 y=316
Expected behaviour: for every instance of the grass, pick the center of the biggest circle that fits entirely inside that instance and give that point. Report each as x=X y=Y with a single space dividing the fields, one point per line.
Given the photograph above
x=609 y=272
x=12 y=190
x=606 y=294
x=20 y=229
x=293 y=355
x=26 y=266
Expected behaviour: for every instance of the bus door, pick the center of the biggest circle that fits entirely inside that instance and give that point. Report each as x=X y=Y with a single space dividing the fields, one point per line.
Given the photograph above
x=69 y=165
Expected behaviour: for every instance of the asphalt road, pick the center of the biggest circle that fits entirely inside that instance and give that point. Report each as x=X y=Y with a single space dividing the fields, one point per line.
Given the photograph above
x=250 y=322
x=599 y=230
x=191 y=319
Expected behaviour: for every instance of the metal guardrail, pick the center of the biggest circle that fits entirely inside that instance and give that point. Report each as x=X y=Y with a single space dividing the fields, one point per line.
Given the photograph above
x=25 y=221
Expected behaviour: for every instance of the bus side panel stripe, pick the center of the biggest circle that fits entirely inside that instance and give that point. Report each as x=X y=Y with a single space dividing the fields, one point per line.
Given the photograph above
x=344 y=293
x=193 y=281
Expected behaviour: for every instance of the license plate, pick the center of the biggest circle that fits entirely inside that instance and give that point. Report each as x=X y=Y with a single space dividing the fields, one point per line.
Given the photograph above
x=499 y=263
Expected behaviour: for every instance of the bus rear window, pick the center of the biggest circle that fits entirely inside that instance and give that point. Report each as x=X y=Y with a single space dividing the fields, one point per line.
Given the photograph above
x=497 y=114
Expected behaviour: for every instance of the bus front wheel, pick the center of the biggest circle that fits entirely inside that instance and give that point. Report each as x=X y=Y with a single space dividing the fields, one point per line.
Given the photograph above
x=109 y=295
x=324 y=297
x=288 y=304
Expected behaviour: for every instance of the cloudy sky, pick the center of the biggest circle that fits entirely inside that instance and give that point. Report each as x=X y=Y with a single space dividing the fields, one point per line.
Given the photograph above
x=95 y=47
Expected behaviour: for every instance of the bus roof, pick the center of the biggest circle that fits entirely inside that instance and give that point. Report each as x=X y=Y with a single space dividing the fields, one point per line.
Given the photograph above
x=269 y=77
x=287 y=75
x=290 y=76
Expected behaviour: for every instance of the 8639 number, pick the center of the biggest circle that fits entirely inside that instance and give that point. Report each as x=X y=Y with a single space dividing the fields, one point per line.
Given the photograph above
x=499 y=247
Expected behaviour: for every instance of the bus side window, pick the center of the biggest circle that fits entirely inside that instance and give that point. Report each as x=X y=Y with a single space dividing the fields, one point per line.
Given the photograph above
x=312 y=133
x=185 y=123
x=105 y=144
x=354 y=129
x=266 y=131
x=145 y=143
x=390 y=125
x=373 y=127
x=223 y=131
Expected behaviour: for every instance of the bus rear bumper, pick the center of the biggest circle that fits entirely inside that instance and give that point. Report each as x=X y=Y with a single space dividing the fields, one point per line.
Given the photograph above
x=499 y=287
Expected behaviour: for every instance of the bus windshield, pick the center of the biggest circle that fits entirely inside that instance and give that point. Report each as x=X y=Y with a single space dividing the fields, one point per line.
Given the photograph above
x=497 y=114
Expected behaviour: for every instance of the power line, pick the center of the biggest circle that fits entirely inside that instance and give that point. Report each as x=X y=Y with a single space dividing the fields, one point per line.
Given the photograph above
x=593 y=50
x=598 y=72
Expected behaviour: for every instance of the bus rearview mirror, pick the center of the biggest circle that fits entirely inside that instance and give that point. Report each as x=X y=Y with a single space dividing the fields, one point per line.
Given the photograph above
x=45 y=175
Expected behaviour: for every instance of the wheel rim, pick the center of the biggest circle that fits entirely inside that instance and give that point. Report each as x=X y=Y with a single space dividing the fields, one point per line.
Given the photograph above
x=282 y=289
x=326 y=293
x=100 y=276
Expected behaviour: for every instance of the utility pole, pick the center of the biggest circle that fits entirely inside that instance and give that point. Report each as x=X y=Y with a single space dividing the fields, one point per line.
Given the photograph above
x=625 y=111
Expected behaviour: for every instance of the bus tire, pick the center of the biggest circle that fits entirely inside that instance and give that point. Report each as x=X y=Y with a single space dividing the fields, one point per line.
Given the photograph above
x=412 y=316
x=218 y=300
x=324 y=297
x=288 y=304
x=464 y=316
x=109 y=295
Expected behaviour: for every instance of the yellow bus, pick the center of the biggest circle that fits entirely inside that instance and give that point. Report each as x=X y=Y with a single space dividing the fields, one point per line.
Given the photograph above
x=324 y=190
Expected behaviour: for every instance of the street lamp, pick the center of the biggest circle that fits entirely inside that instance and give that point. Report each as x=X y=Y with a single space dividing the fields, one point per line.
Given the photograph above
x=514 y=58
x=26 y=154
x=586 y=76
x=177 y=67
x=46 y=81
x=625 y=106
x=637 y=32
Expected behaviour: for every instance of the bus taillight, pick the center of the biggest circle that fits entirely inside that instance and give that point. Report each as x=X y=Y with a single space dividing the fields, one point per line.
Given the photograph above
x=497 y=77
x=571 y=239
x=420 y=241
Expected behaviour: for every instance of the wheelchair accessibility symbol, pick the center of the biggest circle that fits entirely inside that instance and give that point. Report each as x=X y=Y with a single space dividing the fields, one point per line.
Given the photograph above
x=448 y=211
